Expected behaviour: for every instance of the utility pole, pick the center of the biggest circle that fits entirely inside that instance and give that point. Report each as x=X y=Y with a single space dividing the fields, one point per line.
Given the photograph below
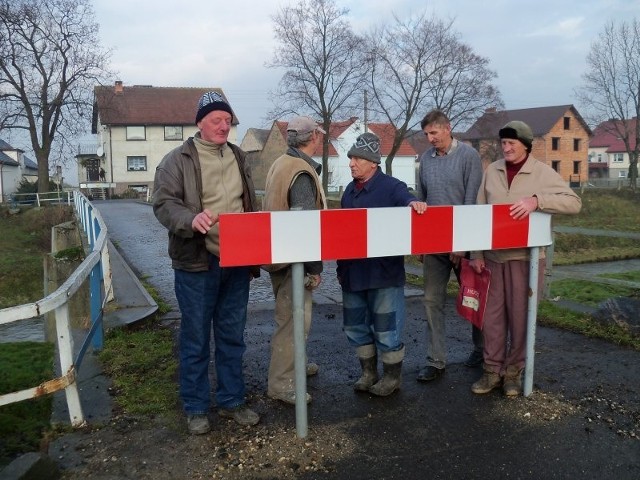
x=366 y=112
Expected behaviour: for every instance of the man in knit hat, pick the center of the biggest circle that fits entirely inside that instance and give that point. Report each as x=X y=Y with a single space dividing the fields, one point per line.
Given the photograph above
x=528 y=185
x=449 y=173
x=373 y=288
x=193 y=183
x=292 y=182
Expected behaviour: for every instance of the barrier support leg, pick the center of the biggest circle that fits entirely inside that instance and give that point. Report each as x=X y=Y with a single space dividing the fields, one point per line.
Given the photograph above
x=300 y=357
x=532 y=314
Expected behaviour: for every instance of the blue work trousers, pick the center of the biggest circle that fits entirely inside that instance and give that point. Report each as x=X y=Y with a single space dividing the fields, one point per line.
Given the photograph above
x=374 y=316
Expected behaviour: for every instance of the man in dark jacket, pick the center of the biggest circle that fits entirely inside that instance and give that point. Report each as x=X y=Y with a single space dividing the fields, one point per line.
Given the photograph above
x=193 y=184
x=373 y=288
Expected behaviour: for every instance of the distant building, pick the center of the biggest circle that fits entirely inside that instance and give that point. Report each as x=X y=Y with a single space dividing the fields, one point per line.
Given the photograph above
x=136 y=127
x=608 y=157
x=14 y=167
x=561 y=138
x=253 y=144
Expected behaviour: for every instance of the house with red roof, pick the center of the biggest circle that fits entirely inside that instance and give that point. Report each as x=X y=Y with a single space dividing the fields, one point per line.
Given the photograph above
x=342 y=135
x=608 y=157
x=136 y=126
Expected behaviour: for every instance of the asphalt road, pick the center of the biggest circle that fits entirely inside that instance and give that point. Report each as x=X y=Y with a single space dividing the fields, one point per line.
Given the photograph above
x=581 y=422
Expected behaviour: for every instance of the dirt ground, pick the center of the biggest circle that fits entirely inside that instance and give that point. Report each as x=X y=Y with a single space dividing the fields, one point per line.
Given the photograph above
x=582 y=420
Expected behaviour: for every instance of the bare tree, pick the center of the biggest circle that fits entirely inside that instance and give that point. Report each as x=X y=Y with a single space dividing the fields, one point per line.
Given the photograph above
x=50 y=60
x=321 y=56
x=464 y=89
x=418 y=64
x=611 y=91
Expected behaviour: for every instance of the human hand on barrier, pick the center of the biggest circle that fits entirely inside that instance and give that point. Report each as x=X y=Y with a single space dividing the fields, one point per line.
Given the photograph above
x=419 y=207
x=203 y=221
x=522 y=208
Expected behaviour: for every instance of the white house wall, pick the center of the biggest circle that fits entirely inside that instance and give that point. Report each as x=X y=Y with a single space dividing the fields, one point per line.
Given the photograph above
x=403 y=167
x=117 y=148
x=11 y=176
x=618 y=169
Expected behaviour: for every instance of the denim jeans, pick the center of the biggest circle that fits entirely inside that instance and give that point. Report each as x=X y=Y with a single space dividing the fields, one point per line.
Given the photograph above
x=215 y=299
x=374 y=317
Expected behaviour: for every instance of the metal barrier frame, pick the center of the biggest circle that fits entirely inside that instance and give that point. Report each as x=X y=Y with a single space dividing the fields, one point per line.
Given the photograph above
x=96 y=267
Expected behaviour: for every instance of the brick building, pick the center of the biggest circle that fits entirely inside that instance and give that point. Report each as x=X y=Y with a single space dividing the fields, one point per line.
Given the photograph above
x=561 y=138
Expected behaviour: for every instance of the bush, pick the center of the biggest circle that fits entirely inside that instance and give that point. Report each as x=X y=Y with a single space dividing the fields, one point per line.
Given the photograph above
x=25 y=186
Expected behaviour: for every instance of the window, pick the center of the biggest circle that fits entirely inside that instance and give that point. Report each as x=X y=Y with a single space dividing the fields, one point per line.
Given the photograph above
x=173 y=132
x=555 y=143
x=136 y=164
x=599 y=158
x=136 y=133
x=555 y=164
x=576 y=167
x=138 y=188
x=567 y=123
x=622 y=174
x=618 y=157
x=576 y=144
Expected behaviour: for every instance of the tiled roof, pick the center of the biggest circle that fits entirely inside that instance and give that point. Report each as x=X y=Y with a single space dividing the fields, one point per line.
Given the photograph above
x=338 y=128
x=5 y=146
x=147 y=105
x=540 y=119
x=605 y=135
x=386 y=132
x=28 y=163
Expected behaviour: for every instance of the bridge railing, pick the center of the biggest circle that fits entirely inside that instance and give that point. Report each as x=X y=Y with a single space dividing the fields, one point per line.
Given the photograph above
x=96 y=268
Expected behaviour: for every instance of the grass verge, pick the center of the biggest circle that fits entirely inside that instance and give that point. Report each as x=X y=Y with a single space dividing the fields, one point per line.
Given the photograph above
x=142 y=365
x=24 y=424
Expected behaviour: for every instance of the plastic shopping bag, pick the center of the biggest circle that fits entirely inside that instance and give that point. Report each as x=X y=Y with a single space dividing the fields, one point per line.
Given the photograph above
x=472 y=297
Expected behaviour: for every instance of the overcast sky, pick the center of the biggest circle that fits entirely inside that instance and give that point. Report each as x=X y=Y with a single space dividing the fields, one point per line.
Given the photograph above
x=537 y=47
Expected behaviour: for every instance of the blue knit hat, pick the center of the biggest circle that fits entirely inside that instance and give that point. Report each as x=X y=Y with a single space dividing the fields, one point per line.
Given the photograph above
x=209 y=102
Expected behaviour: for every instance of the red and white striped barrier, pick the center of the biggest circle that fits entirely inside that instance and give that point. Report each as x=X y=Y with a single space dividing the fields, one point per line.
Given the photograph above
x=262 y=238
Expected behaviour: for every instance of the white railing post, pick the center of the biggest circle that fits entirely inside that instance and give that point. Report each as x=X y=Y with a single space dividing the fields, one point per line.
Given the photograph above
x=65 y=350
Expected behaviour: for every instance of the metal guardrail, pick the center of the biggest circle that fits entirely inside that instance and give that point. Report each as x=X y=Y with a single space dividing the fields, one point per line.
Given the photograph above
x=96 y=267
x=58 y=196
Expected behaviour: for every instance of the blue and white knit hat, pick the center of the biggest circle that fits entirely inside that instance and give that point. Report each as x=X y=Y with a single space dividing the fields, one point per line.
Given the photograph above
x=209 y=102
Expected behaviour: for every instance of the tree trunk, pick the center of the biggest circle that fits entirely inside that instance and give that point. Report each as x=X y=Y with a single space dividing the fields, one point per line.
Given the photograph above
x=43 y=173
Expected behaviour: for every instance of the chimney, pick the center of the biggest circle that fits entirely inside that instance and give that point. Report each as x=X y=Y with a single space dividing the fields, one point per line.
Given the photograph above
x=119 y=88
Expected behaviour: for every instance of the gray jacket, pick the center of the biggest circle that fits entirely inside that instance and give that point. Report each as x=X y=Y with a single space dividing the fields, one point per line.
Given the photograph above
x=177 y=199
